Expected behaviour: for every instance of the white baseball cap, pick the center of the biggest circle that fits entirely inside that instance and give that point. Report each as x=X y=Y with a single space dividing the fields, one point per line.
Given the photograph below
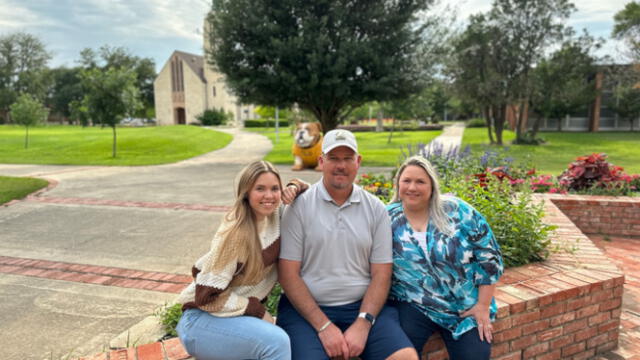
x=339 y=137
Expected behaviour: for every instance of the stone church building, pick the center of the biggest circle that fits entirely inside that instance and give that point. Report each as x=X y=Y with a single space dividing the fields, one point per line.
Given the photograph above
x=187 y=86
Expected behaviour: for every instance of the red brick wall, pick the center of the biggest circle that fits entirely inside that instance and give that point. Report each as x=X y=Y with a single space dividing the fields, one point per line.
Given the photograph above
x=607 y=215
x=567 y=307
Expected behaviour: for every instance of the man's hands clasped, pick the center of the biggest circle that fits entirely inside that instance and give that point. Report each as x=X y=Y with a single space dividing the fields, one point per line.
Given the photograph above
x=345 y=345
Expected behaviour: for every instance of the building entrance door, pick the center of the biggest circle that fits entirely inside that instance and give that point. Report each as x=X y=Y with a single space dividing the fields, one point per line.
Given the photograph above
x=180 y=117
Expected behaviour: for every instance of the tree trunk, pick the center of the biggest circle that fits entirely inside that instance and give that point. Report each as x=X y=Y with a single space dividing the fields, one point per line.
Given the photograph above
x=520 y=123
x=26 y=138
x=488 y=117
x=393 y=127
x=536 y=127
x=114 y=141
x=379 y=122
x=499 y=123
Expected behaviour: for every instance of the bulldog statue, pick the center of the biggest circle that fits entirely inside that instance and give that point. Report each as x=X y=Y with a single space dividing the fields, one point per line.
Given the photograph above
x=307 y=146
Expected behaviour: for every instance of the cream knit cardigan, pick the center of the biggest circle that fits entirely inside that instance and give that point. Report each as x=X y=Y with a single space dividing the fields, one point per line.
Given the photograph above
x=219 y=287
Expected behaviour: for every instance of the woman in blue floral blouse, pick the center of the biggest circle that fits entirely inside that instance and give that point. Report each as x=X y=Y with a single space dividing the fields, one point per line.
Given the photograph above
x=446 y=262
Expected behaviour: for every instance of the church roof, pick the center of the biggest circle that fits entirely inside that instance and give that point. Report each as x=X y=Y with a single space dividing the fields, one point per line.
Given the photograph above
x=195 y=62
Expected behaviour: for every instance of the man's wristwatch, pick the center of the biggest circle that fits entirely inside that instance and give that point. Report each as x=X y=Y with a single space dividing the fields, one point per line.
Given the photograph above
x=370 y=318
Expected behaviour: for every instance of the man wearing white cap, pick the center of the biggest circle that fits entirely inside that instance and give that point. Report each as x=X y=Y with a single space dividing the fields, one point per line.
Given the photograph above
x=335 y=266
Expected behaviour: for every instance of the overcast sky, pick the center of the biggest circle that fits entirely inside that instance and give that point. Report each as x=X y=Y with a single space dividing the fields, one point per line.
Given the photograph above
x=155 y=28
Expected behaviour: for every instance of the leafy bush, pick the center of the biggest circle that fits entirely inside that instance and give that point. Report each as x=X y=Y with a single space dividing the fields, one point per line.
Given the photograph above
x=497 y=188
x=169 y=315
x=212 y=117
x=273 y=299
x=516 y=220
x=476 y=123
x=594 y=175
x=257 y=123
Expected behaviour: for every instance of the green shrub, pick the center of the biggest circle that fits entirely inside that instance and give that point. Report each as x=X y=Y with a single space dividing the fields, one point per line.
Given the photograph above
x=169 y=315
x=516 y=220
x=212 y=117
x=257 y=123
x=273 y=299
x=476 y=123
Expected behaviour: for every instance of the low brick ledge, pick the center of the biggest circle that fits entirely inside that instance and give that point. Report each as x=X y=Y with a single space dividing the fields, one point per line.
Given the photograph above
x=567 y=307
x=604 y=215
x=163 y=350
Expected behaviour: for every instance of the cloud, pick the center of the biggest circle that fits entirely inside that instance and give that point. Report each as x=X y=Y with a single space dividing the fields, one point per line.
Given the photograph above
x=148 y=28
x=155 y=28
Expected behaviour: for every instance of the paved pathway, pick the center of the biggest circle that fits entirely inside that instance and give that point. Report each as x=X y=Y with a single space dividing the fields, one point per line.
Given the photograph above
x=451 y=138
x=625 y=252
x=104 y=246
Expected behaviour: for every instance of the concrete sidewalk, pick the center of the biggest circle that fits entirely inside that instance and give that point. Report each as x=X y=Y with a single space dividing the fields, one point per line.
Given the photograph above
x=150 y=218
x=147 y=218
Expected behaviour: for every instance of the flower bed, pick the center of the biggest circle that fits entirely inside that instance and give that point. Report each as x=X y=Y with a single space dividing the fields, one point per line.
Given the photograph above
x=568 y=306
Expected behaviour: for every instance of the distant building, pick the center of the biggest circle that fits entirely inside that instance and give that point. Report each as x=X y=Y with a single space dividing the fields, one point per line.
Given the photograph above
x=598 y=116
x=186 y=87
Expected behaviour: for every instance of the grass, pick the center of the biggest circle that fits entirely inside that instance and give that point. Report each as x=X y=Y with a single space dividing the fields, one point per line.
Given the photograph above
x=12 y=188
x=373 y=146
x=74 y=145
x=561 y=148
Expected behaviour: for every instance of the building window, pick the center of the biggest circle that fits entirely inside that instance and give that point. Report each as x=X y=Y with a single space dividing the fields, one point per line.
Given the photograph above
x=214 y=91
x=177 y=79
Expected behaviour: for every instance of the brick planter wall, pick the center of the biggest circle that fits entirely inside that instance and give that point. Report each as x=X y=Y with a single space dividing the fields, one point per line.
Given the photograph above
x=607 y=215
x=567 y=307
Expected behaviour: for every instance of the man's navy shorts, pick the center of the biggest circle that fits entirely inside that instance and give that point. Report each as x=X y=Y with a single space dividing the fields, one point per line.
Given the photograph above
x=385 y=337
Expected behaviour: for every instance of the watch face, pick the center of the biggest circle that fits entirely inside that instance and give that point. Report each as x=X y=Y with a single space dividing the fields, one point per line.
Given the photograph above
x=368 y=317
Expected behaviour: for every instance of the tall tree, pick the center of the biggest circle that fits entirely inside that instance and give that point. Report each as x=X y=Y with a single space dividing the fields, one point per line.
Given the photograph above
x=565 y=82
x=475 y=78
x=627 y=27
x=110 y=96
x=624 y=80
x=23 y=63
x=509 y=40
x=328 y=56
x=66 y=89
x=107 y=57
x=27 y=111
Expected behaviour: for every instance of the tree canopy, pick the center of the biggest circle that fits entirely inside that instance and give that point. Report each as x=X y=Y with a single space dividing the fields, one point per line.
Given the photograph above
x=110 y=96
x=327 y=56
x=28 y=111
x=107 y=57
x=627 y=27
x=23 y=65
x=495 y=55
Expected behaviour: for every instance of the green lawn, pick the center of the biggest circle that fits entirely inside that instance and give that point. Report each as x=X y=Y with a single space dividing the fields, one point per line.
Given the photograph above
x=73 y=145
x=373 y=146
x=561 y=148
x=16 y=188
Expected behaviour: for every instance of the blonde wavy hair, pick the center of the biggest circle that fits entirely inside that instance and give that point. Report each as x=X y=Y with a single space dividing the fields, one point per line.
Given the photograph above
x=242 y=235
x=438 y=204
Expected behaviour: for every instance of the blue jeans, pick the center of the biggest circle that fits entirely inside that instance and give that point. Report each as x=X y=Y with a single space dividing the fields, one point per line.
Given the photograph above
x=419 y=329
x=385 y=337
x=205 y=337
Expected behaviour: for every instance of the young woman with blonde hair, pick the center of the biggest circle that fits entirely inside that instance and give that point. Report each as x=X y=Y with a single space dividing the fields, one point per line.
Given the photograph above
x=224 y=317
x=446 y=262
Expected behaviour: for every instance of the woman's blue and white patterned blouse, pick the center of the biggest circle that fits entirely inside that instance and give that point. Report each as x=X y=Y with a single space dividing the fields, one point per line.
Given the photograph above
x=444 y=282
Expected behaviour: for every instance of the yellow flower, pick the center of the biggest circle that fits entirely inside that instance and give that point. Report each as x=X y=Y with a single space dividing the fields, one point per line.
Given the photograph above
x=377 y=183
